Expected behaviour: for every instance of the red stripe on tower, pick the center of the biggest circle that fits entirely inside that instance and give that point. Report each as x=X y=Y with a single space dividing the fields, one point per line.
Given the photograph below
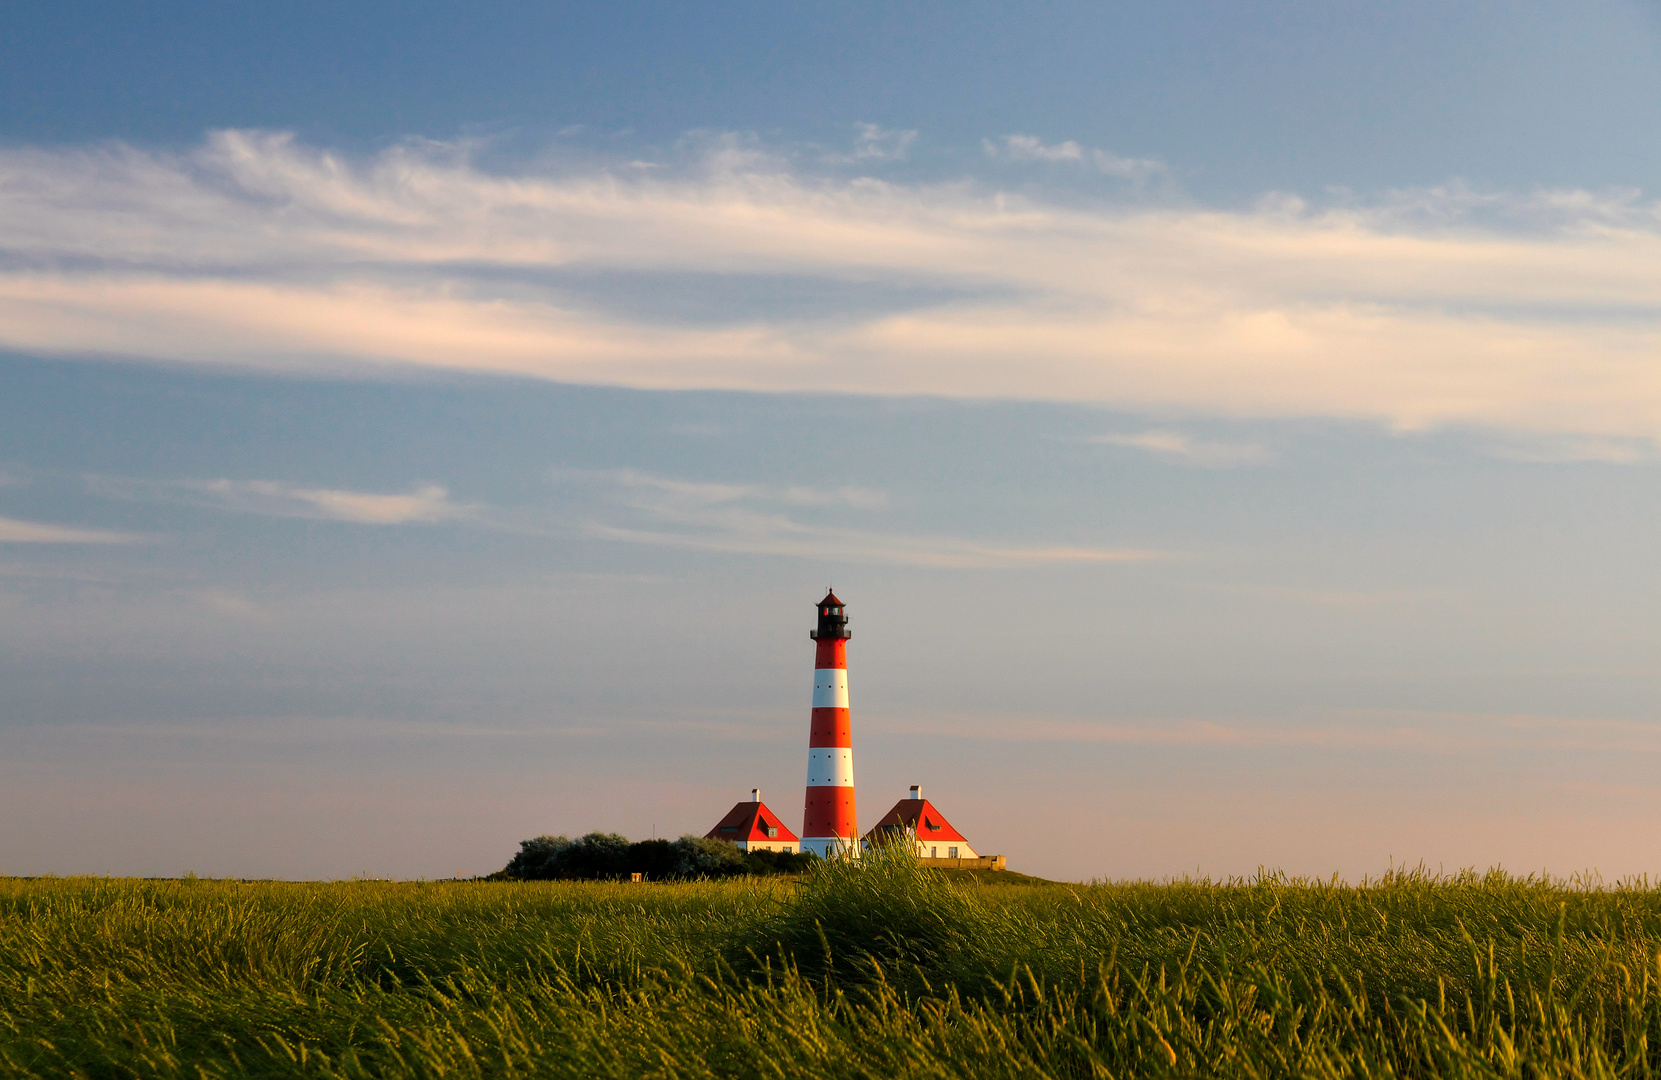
x=829 y=824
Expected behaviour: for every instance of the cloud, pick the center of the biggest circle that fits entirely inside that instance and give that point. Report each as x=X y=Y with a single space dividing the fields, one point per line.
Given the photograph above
x=425 y=504
x=273 y=498
x=875 y=143
x=233 y=604
x=13 y=531
x=661 y=491
x=1031 y=148
x=1422 y=732
x=1537 y=314
x=1574 y=449
x=1138 y=169
x=860 y=498
x=750 y=519
x=1175 y=446
x=757 y=535
x=1346 y=598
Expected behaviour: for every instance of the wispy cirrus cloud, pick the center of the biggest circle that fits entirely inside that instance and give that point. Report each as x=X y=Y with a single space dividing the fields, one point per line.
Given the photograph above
x=1185 y=449
x=1574 y=449
x=755 y=519
x=1421 y=732
x=1537 y=313
x=874 y=142
x=425 y=504
x=1031 y=148
x=13 y=531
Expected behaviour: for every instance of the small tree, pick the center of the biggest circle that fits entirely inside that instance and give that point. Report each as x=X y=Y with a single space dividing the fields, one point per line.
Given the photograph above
x=656 y=859
x=702 y=856
x=559 y=858
x=597 y=855
x=537 y=858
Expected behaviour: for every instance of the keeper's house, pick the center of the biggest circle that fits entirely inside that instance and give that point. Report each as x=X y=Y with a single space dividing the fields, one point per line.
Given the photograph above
x=753 y=827
x=937 y=842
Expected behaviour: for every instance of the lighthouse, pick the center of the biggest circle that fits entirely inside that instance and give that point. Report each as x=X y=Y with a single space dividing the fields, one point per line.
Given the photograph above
x=828 y=822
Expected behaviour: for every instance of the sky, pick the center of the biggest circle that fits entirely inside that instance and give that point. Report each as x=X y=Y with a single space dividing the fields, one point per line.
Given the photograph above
x=1232 y=427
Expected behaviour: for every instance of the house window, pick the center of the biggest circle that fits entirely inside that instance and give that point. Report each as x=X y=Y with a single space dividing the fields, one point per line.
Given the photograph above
x=934 y=853
x=951 y=853
x=772 y=830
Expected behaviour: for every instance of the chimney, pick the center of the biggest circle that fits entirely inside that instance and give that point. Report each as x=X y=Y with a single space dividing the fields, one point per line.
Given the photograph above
x=916 y=791
x=755 y=794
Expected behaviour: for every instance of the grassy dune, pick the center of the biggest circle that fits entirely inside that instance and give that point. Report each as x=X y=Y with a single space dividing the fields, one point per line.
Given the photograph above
x=882 y=971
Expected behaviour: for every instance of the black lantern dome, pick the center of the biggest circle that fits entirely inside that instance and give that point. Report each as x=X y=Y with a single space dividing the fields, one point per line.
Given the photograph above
x=833 y=621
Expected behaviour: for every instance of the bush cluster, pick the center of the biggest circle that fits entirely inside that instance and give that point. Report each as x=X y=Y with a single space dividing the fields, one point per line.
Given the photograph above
x=610 y=856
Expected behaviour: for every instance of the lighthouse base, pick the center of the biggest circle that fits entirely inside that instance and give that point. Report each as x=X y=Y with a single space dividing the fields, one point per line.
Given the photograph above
x=830 y=847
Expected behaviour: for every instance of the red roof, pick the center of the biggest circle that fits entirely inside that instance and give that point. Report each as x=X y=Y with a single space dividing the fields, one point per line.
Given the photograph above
x=916 y=815
x=748 y=821
x=830 y=600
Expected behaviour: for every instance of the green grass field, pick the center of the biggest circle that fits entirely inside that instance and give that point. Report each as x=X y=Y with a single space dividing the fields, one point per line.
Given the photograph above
x=885 y=970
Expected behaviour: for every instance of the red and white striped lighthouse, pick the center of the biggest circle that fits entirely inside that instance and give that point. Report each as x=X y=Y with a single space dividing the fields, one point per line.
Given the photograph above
x=828 y=823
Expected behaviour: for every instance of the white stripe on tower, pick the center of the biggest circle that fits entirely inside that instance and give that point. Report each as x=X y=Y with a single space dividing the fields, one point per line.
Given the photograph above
x=830 y=765
x=830 y=688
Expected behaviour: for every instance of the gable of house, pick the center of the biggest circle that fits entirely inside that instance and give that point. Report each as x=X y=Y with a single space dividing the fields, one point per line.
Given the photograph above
x=917 y=816
x=752 y=821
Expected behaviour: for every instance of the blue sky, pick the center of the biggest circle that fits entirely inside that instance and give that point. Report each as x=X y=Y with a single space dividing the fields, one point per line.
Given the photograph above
x=1232 y=427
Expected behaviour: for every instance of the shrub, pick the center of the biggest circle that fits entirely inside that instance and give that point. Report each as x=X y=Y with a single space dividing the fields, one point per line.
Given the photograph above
x=765 y=863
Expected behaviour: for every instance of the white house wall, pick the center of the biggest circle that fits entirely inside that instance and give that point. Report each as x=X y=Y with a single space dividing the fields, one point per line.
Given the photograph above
x=942 y=849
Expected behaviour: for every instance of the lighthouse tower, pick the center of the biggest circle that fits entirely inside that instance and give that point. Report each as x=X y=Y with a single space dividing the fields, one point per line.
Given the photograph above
x=828 y=823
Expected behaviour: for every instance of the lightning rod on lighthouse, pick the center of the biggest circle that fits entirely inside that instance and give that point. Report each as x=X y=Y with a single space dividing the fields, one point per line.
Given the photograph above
x=829 y=824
